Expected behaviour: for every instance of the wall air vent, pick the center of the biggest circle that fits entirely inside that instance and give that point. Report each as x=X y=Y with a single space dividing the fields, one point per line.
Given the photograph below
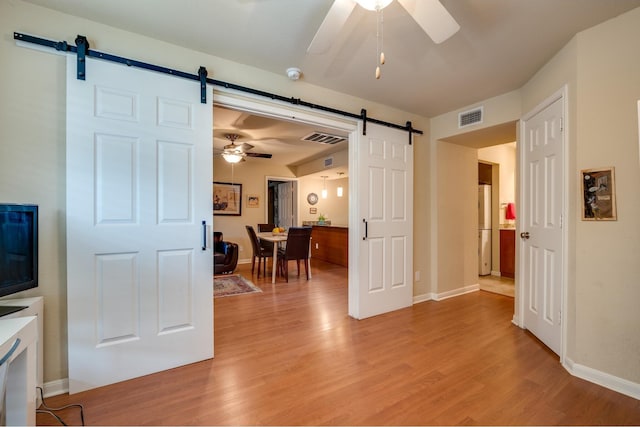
x=470 y=117
x=328 y=162
x=324 y=138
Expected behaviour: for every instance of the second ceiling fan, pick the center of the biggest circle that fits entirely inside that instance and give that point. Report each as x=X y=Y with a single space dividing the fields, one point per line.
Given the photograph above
x=233 y=153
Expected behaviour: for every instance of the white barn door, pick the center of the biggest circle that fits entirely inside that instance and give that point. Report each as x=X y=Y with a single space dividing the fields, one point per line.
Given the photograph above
x=139 y=173
x=384 y=273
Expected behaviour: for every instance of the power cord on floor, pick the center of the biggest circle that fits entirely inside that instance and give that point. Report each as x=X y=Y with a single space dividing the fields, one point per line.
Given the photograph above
x=52 y=411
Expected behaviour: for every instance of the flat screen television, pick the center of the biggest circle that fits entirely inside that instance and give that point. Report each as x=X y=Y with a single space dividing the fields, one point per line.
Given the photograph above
x=18 y=248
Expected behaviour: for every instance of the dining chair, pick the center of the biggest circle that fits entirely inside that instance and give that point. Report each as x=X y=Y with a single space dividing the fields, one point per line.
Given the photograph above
x=259 y=251
x=266 y=228
x=262 y=228
x=297 y=248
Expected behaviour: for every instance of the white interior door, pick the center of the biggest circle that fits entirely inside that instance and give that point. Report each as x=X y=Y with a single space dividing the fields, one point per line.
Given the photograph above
x=286 y=203
x=139 y=173
x=541 y=245
x=384 y=273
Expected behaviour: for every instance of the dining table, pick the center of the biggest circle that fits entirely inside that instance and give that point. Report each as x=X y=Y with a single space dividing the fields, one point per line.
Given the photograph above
x=277 y=239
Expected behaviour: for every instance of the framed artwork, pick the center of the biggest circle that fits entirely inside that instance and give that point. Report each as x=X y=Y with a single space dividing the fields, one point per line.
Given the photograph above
x=253 y=201
x=227 y=198
x=599 y=194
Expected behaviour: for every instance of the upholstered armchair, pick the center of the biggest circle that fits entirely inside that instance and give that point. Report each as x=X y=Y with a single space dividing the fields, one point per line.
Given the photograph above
x=225 y=255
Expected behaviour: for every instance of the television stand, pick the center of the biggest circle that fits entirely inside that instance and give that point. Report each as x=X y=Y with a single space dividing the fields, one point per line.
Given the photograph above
x=9 y=309
x=30 y=306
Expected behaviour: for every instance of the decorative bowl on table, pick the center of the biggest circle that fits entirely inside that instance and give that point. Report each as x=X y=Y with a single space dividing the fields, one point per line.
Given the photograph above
x=278 y=231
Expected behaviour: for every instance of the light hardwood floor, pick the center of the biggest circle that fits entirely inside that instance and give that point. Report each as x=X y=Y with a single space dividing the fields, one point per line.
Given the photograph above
x=292 y=356
x=497 y=285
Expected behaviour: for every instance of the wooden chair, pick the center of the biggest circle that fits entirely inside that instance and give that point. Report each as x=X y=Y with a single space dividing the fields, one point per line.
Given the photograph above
x=262 y=228
x=266 y=228
x=260 y=252
x=297 y=249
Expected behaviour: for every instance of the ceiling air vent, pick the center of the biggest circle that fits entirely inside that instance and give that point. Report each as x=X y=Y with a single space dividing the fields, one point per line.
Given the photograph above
x=324 y=138
x=471 y=117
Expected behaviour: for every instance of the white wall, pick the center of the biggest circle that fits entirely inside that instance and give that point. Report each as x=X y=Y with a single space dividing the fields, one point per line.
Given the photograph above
x=607 y=270
x=334 y=208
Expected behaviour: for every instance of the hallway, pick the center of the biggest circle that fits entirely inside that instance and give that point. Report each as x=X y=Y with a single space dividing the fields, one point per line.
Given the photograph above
x=497 y=285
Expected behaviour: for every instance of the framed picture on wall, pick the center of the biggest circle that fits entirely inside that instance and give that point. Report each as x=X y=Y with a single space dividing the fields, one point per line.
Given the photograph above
x=599 y=194
x=227 y=198
x=253 y=201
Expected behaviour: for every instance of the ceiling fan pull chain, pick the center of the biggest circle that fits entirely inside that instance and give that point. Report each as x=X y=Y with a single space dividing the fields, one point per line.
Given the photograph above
x=381 y=12
x=379 y=41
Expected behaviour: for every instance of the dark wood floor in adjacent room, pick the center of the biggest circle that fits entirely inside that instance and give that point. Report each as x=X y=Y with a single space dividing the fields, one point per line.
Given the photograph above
x=292 y=356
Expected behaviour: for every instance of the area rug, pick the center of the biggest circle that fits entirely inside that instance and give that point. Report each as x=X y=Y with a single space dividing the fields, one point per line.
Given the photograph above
x=232 y=284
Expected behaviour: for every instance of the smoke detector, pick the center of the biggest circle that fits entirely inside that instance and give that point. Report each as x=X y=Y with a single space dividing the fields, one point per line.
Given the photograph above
x=294 y=73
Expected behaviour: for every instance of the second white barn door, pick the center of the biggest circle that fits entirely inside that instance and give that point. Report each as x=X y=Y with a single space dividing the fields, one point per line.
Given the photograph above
x=384 y=273
x=139 y=173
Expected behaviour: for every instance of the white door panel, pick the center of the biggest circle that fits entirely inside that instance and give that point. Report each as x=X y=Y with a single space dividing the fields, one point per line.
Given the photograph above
x=385 y=276
x=542 y=212
x=139 y=172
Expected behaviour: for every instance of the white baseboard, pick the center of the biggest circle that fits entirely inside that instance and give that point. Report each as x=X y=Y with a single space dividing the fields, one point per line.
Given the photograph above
x=603 y=379
x=430 y=296
x=54 y=388
x=422 y=298
x=457 y=292
x=495 y=273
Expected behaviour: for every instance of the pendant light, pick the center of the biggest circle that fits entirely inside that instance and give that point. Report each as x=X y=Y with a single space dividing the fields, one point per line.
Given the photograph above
x=340 y=189
x=324 y=186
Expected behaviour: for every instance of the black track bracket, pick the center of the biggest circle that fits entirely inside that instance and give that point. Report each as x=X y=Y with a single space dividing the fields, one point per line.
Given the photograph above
x=202 y=73
x=82 y=45
x=410 y=131
x=363 y=116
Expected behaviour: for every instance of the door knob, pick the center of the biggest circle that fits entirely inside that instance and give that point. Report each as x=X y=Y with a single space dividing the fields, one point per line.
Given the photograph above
x=525 y=235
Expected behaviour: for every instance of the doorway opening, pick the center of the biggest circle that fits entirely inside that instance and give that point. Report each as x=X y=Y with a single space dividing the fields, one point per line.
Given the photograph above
x=496 y=218
x=279 y=183
x=282 y=202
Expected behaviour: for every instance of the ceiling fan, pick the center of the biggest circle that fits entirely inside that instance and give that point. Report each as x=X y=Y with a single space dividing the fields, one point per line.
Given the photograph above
x=233 y=153
x=430 y=15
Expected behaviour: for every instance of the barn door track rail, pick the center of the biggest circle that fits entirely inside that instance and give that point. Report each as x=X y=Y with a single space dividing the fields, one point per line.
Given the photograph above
x=82 y=50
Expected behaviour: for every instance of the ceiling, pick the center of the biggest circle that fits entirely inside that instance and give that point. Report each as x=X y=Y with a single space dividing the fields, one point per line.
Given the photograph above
x=500 y=46
x=281 y=138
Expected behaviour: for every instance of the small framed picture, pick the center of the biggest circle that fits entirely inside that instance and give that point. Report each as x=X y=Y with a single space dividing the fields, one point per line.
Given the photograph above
x=313 y=211
x=227 y=198
x=599 y=194
x=253 y=201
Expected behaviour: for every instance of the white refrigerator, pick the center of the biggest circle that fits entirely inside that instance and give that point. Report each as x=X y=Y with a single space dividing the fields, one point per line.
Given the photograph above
x=484 y=229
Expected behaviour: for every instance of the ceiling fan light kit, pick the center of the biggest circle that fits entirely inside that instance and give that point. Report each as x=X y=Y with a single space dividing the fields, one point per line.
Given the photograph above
x=232 y=157
x=374 y=4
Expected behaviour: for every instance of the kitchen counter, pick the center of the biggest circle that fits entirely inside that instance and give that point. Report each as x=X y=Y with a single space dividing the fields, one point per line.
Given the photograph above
x=330 y=243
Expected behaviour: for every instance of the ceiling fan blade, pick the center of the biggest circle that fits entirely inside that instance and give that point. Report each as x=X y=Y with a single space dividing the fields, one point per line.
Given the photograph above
x=263 y=155
x=432 y=16
x=246 y=146
x=331 y=25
